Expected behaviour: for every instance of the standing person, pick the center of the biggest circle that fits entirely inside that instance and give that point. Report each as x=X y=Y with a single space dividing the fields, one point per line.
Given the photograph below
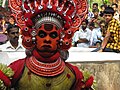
x=96 y=19
x=111 y=41
x=116 y=14
x=82 y=37
x=102 y=7
x=2 y=24
x=13 y=43
x=1 y=27
x=11 y=20
x=90 y=13
x=3 y=37
x=13 y=46
x=95 y=6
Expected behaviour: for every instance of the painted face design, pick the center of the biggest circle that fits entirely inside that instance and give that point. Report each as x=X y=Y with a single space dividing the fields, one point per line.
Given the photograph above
x=47 y=39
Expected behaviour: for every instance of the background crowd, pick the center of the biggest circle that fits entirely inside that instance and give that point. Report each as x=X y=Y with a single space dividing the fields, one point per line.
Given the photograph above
x=95 y=28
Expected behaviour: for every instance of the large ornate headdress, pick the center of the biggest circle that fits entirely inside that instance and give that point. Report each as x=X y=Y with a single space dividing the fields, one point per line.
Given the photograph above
x=66 y=14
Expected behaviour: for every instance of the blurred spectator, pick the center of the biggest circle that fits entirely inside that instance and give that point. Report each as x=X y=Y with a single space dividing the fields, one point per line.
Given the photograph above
x=13 y=44
x=82 y=37
x=1 y=27
x=111 y=41
x=2 y=24
x=103 y=27
x=90 y=14
x=12 y=20
x=116 y=14
x=102 y=7
x=3 y=37
x=96 y=37
x=96 y=19
x=95 y=6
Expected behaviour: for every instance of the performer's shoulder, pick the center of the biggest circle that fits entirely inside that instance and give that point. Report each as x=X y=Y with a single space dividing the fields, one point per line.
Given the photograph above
x=75 y=70
x=18 y=62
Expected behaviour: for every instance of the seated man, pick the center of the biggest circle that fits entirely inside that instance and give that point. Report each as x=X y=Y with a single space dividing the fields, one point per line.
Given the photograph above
x=96 y=37
x=111 y=41
x=82 y=37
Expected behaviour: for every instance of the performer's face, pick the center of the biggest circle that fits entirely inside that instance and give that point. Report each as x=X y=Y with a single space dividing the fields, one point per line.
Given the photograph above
x=47 y=39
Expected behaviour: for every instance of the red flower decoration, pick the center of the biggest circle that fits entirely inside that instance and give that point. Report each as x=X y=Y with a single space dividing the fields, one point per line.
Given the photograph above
x=89 y=82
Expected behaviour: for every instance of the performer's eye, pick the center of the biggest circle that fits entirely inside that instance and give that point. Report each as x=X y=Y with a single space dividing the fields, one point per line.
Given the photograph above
x=42 y=34
x=53 y=34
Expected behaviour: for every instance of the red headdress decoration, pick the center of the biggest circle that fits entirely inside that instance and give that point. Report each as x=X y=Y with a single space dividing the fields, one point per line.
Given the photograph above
x=66 y=14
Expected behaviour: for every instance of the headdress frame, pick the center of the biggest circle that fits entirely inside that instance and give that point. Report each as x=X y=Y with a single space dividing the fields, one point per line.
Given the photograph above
x=67 y=14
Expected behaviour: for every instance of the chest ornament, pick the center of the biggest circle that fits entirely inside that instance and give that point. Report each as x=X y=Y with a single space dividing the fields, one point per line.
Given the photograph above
x=45 y=69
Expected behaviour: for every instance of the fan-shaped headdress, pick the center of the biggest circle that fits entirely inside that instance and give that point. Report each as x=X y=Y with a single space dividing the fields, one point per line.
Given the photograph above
x=66 y=14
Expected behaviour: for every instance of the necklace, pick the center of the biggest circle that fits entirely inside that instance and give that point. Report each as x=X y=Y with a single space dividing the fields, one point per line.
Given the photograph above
x=45 y=69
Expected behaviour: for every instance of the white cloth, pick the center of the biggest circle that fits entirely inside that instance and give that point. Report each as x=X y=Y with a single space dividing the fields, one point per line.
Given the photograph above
x=9 y=57
x=78 y=54
x=10 y=54
x=8 y=47
x=96 y=35
x=74 y=37
x=90 y=15
x=116 y=16
x=86 y=34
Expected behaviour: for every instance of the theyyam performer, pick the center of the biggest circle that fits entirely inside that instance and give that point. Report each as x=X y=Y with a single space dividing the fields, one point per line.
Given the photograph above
x=47 y=27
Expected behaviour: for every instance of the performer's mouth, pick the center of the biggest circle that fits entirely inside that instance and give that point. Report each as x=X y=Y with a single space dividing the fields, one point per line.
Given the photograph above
x=46 y=46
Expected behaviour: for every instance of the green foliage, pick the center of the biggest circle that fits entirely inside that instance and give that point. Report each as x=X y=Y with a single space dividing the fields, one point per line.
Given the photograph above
x=1 y=1
x=8 y=72
x=2 y=86
x=86 y=75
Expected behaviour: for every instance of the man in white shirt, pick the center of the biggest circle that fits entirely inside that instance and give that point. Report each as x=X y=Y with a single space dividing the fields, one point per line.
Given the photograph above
x=13 y=47
x=82 y=37
x=13 y=36
x=96 y=36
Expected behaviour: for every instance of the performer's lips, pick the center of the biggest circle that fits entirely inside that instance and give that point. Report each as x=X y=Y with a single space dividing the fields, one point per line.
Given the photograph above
x=46 y=46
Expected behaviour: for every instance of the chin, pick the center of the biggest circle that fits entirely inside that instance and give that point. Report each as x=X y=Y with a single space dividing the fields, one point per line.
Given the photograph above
x=47 y=52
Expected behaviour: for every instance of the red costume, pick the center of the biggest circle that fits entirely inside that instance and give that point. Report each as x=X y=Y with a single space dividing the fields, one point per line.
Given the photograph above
x=47 y=27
